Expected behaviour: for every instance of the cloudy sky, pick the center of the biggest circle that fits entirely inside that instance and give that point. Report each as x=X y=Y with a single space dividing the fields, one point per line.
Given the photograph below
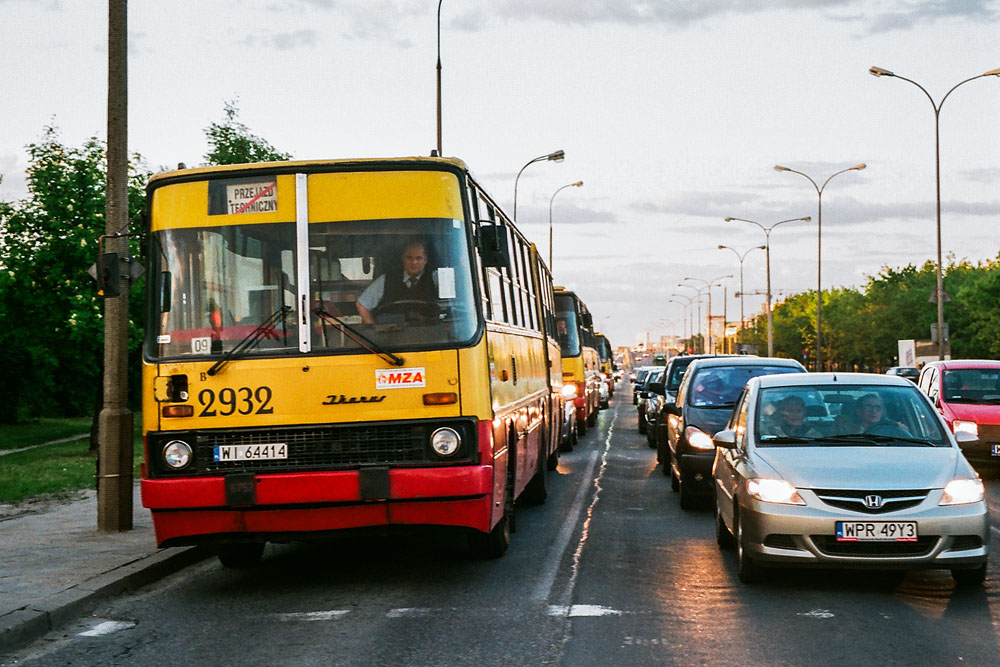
x=672 y=112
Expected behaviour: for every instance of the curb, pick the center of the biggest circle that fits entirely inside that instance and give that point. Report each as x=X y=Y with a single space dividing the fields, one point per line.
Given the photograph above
x=23 y=626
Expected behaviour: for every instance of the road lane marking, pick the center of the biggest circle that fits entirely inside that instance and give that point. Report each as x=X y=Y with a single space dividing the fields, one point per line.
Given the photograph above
x=107 y=628
x=404 y=612
x=543 y=590
x=329 y=615
x=817 y=613
x=583 y=610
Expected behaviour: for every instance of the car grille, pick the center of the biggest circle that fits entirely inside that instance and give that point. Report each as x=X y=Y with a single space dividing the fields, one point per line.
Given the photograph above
x=322 y=447
x=893 y=500
x=829 y=545
x=327 y=447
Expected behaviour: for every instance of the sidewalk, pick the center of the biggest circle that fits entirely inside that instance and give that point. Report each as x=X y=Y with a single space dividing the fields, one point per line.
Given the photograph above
x=56 y=566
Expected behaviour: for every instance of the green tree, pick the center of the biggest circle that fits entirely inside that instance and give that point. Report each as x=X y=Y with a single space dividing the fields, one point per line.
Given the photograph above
x=232 y=142
x=52 y=326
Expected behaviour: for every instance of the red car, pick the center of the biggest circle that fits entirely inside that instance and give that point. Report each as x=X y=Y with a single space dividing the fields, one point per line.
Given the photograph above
x=967 y=394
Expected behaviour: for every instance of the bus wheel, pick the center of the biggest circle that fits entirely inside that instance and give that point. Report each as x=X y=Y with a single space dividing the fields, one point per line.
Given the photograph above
x=535 y=492
x=581 y=427
x=592 y=419
x=494 y=543
x=241 y=555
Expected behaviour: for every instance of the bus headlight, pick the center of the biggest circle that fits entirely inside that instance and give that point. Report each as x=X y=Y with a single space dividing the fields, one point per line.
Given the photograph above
x=177 y=454
x=569 y=390
x=445 y=441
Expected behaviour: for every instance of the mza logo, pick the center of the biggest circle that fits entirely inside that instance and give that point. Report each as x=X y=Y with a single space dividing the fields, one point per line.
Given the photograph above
x=396 y=378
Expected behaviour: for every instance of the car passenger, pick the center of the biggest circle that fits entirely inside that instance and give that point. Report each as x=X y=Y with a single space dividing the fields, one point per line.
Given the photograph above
x=789 y=419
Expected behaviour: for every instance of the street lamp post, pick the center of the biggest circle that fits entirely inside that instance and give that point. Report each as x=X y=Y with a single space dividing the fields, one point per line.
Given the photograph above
x=939 y=290
x=695 y=299
x=767 y=252
x=741 y=257
x=578 y=184
x=686 y=306
x=708 y=288
x=439 y=79
x=555 y=156
x=819 y=251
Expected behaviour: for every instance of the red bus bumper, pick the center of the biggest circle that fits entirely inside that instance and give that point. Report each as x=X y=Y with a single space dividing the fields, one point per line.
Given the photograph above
x=191 y=510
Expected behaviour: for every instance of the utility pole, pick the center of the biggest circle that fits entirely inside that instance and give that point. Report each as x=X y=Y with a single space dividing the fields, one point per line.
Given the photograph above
x=114 y=470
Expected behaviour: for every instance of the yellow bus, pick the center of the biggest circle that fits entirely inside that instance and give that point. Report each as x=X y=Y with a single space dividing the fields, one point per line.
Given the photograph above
x=580 y=363
x=346 y=344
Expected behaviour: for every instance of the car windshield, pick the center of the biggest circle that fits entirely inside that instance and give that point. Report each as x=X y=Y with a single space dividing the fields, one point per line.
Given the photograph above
x=972 y=385
x=228 y=280
x=677 y=368
x=847 y=415
x=567 y=325
x=718 y=386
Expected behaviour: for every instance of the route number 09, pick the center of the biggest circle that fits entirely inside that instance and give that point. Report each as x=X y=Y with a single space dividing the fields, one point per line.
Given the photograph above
x=229 y=401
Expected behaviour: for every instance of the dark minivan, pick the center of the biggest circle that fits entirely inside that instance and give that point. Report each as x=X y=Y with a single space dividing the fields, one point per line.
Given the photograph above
x=701 y=408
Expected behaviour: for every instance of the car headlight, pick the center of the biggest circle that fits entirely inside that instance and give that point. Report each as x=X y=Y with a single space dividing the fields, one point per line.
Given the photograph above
x=445 y=441
x=569 y=391
x=961 y=426
x=698 y=438
x=774 y=491
x=177 y=454
x=963 y=492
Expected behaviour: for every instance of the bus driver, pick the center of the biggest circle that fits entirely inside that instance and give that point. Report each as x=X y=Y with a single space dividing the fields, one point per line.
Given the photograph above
x=406 y=284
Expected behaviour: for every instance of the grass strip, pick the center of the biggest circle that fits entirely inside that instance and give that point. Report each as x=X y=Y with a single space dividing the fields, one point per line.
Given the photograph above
x=53 y=470
x=38 y=431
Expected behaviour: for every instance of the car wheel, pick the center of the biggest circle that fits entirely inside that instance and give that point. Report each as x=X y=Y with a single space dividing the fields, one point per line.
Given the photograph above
x=592 y=419
x=688 y=499
x=581 y=428
x=239 y=556
x=748 y=571
x=722 y=535
x=642 y=423
x=974 y=577
x=675 y=484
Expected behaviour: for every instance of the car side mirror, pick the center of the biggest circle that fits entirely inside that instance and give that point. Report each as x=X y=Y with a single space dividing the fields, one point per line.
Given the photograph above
x=672 y=409
x=656 y=388
x=725 y=439
x=964 y=438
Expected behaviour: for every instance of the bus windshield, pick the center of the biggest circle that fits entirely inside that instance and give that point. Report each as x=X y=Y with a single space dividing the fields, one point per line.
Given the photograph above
x=567 y=326
x=399 y=283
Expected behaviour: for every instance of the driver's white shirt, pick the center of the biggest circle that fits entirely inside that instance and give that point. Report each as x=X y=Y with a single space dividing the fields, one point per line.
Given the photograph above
x=371 y=297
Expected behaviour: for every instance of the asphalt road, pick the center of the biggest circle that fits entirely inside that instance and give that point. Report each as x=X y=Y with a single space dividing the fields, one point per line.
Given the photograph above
x=609 y=570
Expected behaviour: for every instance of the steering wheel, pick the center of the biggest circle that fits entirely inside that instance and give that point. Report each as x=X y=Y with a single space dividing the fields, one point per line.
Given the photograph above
x=888 y=428
x=412 y=310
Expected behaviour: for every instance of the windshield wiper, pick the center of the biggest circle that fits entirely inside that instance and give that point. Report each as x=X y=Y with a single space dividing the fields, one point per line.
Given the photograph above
x=898 y=438
x=785 y=440
x=359 y=338
x=870 y=439
x=250 y=341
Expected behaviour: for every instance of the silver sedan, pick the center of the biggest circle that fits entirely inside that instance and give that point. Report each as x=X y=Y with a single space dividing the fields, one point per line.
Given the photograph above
x=848 y=471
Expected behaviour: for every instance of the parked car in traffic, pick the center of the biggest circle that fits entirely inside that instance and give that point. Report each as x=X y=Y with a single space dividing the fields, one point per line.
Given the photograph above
x=908 y=372
x=656 y=433
x=638 y=380
x=646 y=397
x=702 y=406
x=967 y=394
x=875 y=482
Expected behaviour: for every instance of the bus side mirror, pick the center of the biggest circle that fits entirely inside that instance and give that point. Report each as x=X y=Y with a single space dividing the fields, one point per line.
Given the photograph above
x=493 y=245
x=165 y=282
x=109 y=275
x=588 y=320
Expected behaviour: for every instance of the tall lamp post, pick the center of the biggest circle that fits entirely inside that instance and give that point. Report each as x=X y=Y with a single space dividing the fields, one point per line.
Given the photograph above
x=939 y=290
x=741 y=257
x=709 y=284
x=767 y=252
x=578 y=184
x=819 y=251
x=686 y=305
x=692 y=300
x=439 y=79
x=555 y=156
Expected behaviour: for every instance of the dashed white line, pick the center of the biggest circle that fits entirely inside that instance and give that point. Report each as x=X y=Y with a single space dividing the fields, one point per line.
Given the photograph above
x=106 y=628
x=328 y=615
